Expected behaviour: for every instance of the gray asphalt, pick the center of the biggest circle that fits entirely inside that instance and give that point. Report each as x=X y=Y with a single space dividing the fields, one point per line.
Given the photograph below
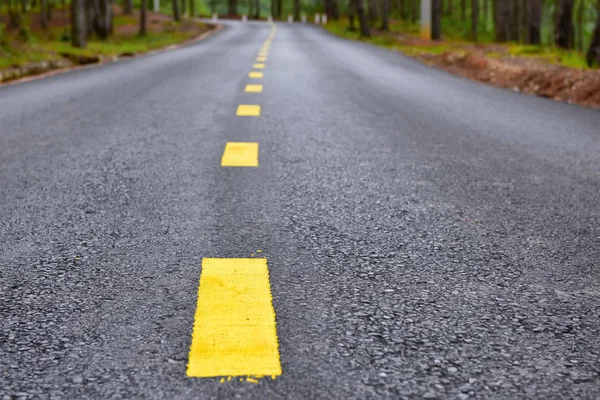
x=427 y=236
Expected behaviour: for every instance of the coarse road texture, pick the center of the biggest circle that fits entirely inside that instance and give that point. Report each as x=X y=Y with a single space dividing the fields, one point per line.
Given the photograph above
x=426 y=236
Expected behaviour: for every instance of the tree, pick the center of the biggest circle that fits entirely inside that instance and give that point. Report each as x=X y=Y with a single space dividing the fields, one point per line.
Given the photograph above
x=192 y=8
x=143 y=21
x=351 y=13
x=176 y=15
x=436 y=19
x=504 y=20
x=372 y=14
x=534 y=21
x=257 y=9
x=44 y=13
x=78 y=23
x=593 y=54
x=128 y=7
x=474 y=19
x=232 y=7
x=564 y=25
x=362 y=18
x=296 y=10
x=385 y=15
x=103 y=18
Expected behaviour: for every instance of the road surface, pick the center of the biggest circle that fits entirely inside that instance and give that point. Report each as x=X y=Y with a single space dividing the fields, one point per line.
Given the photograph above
x=426 y=236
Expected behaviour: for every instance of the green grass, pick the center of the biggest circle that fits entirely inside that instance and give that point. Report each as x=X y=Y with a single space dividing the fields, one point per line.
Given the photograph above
x=46 y=45
x=454 y=42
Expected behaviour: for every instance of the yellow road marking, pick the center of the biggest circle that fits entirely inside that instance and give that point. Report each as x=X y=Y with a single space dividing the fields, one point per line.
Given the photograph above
x=254 y=88
x=240 y=154
x=258 y=66
x=248 y=110
x=255 y=74
x=263 y=53
x=261 y=59
x=234 y=327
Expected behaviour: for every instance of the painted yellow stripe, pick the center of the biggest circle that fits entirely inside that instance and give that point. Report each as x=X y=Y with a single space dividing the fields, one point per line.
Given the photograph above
x=248 y=110
x=234 y=328
x=261 y=59
x=240 y=154
x=254 y=88
x=263 y=53
x=255 y=74
x=258 y=66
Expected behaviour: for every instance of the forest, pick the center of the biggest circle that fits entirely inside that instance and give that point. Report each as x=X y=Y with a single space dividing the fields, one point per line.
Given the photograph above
x=35 y=30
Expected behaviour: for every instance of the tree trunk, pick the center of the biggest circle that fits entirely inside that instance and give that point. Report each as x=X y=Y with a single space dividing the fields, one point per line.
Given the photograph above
x=128 y=7
x=436 y=19
x=78 y=24
x=176 y=15
x=504 y=20
x=362 y=18
x=23 y=6
x=474 y=20
x=534 y=21
x=296 y=10
x=579 y=25
x=103 y=20
x=449 y=7
x=372 y=14
x=44 y=13
x=143 y=20
x=486 y=13
x=213 y=6
x=351 y=13
x=463 y=10
x=593 y=54
x=279 y=8
x=385 y=15
x=232 y=8
x=183 y=7
x=257 y=9
x=414 y=11
x=564 y=26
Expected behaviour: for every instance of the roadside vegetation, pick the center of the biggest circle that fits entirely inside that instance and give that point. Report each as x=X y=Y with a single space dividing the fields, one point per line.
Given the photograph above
x=38 y=36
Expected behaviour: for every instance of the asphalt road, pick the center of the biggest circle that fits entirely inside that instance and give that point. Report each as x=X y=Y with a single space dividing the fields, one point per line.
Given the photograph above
x=426 y=236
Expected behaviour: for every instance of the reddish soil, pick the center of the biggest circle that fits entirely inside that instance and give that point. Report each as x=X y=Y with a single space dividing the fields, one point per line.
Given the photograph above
x=524 y=74
x=520 y=74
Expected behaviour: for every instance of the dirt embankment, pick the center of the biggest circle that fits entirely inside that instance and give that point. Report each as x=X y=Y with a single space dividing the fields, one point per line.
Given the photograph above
x=530 y=76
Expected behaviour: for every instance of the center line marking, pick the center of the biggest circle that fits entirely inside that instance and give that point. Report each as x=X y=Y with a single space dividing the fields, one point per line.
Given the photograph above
x=254 y=88
x=240 y=154
x=258 y=66
x=255 y=74
x=248 y=110
x=261 y=59
x=234 y=326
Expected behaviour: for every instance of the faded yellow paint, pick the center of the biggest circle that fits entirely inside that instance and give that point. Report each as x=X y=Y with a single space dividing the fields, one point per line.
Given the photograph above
x=240 y=154
x=234 y=328
x=261 y=58
x=254 y=88
x=258 y=66
x=248 y=110
x=255 y=74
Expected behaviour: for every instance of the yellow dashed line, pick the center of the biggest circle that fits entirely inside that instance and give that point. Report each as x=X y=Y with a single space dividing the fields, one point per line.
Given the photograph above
x=255 y=74
x=254 y=88
x=240 y=154
x=258 y=66
x=261 y=59
x=234 y=327
x=248 y=110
